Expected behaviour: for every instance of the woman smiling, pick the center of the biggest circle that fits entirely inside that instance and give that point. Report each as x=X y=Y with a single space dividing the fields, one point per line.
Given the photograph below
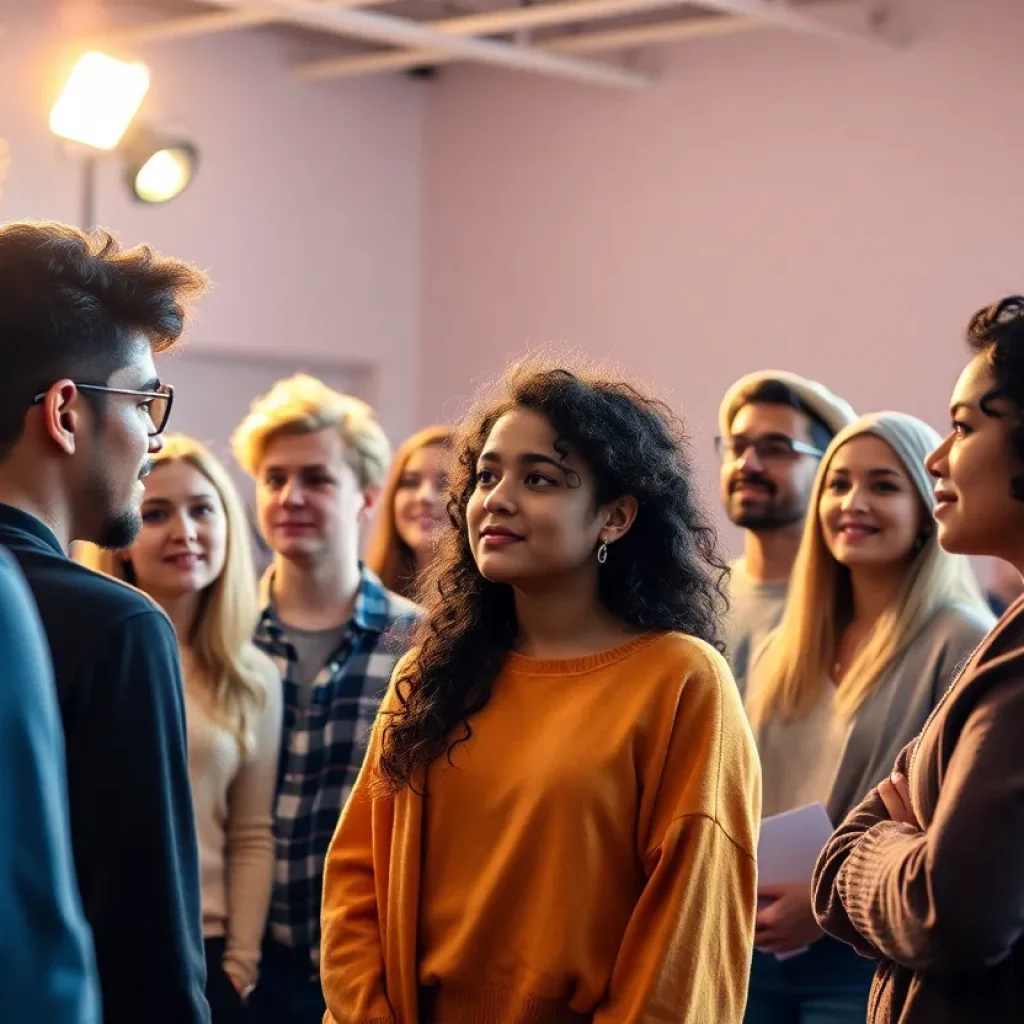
x=194 y=559
x=556 y=819
x=926 y=875
x=877 y=621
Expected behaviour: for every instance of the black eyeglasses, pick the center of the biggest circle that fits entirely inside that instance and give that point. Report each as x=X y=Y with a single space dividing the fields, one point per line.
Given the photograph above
x=771 y=448
x=158 y=407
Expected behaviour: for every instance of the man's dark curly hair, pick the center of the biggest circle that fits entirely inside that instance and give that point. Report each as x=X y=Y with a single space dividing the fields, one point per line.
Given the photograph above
x=664 y=574
x=997 y=333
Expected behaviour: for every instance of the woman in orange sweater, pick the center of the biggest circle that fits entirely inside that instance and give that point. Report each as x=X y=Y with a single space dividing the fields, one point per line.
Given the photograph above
x=557 y=818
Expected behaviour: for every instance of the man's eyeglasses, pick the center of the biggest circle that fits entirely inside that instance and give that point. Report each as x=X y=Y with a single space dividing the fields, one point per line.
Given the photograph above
x=771 y=448
x=158 y=407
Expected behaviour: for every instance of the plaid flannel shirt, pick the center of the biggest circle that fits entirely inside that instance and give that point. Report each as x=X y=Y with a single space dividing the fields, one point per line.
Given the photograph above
x=322 y=747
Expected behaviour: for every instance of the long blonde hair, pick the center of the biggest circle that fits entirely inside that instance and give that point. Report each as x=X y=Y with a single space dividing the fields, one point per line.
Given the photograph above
x=387 y=554
x=221 y=638
x=794 y=664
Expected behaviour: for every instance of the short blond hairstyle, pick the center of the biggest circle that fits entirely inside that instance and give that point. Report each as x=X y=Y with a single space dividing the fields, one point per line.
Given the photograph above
x=303 y=405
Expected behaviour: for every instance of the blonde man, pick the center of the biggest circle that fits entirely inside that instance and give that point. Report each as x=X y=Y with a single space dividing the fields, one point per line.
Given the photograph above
x=319 y=459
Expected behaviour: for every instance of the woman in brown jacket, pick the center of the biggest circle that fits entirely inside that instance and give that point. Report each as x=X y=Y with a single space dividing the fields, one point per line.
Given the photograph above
x=926 y=875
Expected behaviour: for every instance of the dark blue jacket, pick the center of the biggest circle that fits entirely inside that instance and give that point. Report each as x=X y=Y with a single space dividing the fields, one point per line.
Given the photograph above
x=118 y=676
x=47 y=967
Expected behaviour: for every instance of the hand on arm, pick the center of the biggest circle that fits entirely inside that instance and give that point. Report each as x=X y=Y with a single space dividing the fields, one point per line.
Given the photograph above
x=827 y=905
x=903 y=889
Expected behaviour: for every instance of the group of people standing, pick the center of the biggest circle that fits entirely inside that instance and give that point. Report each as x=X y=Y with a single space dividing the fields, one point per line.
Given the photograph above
x=510 y=765
x=212 y=725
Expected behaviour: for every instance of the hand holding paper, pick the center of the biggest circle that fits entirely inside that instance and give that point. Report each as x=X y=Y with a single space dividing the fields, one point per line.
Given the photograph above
x=785 y=923
x=787 y=852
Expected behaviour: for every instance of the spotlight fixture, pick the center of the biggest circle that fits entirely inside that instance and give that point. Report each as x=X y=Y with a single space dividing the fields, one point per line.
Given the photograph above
x=99 y=100
x=158 y=168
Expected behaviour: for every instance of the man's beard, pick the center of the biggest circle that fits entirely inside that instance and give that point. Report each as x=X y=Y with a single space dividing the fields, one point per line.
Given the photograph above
x=120 y=531
x=768 y=515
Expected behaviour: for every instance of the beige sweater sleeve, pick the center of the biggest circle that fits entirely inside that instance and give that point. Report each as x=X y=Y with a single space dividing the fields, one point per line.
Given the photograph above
x=250 y=839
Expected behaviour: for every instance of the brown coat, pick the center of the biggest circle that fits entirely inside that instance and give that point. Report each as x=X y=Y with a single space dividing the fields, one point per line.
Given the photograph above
x=941 y=907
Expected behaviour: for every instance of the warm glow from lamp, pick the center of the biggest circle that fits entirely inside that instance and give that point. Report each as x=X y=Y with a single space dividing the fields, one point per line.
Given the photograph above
x=99 y=100
x=164 y=175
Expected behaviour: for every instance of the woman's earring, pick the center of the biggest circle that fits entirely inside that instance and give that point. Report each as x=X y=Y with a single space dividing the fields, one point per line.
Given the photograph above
x=602 y=553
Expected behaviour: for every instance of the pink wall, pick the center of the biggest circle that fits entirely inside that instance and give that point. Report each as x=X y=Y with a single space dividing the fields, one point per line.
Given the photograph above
x=305 y=210
x=773 y=201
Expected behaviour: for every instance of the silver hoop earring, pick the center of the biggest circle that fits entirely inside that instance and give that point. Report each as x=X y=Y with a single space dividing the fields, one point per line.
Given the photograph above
x=602 y=553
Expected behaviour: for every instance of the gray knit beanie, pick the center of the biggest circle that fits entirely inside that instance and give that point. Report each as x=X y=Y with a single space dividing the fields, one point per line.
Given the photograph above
x=834 y=411
x=910 y=438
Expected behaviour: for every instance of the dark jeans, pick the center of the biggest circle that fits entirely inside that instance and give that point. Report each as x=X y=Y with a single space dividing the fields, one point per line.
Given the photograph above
x=288 y=991
x=221 y=994
x=828 y=984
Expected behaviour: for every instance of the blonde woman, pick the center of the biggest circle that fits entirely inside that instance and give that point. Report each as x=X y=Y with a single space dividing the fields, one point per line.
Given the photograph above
x=877 y=621
x=193 y=558
x=411 y=512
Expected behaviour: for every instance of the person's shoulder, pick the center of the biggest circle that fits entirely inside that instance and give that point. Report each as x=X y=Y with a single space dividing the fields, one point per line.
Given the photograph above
x=686 y=656
x=961 y=625
x=387 y=605
x=400 y=609
x=677 y=667
x=12 y=582
x=697 y=675
x=115 y=600
x=92 y=599
x=261 y=667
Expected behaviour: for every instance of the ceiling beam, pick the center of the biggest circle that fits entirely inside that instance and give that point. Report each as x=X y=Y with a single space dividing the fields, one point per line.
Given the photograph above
x=635 y=36
x=554 y=12
x=389 y=30
x=864 y=21
x=204 y=24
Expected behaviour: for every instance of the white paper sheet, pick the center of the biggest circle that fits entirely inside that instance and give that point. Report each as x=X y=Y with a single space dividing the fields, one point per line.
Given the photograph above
x=789 y=847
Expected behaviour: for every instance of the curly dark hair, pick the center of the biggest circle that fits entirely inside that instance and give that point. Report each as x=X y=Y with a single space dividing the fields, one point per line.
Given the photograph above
x=997 y=332
x=664 y=574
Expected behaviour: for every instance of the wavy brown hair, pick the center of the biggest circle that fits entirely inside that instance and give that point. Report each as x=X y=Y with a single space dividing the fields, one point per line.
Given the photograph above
x=665 y=574
x=387 y=554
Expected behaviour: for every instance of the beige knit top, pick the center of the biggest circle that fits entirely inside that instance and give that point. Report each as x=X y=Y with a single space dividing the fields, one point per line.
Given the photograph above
x=233 y=796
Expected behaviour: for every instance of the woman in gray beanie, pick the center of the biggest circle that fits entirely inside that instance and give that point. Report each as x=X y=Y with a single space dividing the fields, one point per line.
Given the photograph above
x=878 y=619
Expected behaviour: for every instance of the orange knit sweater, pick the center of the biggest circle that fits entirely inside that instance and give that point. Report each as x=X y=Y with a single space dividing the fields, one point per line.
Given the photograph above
x=588 y=858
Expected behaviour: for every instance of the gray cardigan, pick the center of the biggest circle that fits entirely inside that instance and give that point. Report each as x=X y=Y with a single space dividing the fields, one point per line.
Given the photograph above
x=895 y=710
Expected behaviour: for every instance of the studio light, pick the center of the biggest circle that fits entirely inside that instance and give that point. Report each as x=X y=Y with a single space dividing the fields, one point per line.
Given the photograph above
x=96 y=110
x=99 y=100
x=158 y=169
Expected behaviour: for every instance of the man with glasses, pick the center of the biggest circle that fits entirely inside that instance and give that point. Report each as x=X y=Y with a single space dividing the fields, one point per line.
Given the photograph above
x=81 y=411
x=774 y=426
